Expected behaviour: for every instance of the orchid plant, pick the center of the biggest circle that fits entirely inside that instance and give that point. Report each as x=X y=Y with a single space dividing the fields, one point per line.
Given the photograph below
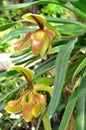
x=51 y=55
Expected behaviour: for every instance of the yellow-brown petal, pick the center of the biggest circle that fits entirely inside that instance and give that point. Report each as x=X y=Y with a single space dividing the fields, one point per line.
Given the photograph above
x=37 y=42
x=35 y=18
x=36 y=46
x=24 y=43
x=45 y=44
x=36 y=110
x=40 y=98
x=14 y=106
x=50 y=34
x=27 y=111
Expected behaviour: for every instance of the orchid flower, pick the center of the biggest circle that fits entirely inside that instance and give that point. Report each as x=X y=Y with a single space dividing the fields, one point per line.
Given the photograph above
x=39 y=39
x=30 y=101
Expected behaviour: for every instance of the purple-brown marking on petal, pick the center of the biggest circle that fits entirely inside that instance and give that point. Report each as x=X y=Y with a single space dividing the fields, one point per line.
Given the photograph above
x=38 y=22
x=24 y=43
x=50 y=33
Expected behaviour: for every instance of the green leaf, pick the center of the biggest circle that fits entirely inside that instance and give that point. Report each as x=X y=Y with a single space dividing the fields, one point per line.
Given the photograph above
x=40 y=2
x=46 y=122
x=68 y=111
x=6 y=26
x=56 y=49
x=17 y=6
x=81 y=113
x=77 y=93
x=47 y=80
x=44 y=110
x=27 y=61
x=12 y=91
x=71 y=29
x=81 y=105
x=65 y=21
x=15 y=55
x=79 y=68
x=80 y=4
x=16 y=123
x=14 y=33
x=61 y=66
x=45 y=66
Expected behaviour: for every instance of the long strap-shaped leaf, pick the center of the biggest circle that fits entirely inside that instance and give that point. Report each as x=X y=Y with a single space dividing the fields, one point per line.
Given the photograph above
x=79 y=68
x=61 y=66
x=81 y=106
x=68 y=111
x=77 y=94
x=81 y=113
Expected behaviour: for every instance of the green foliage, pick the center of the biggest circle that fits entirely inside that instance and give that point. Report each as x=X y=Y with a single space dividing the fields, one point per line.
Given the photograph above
x=55 y=11
x=61 y=69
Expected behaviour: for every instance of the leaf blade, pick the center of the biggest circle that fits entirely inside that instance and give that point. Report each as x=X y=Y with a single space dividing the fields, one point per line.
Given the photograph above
x=70 y=106
x=68 y=111
x=79 y=68
x=61 y=65
x=81 y=105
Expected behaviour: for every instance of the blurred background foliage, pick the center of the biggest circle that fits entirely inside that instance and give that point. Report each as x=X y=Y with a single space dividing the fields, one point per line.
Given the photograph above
x=68 y=19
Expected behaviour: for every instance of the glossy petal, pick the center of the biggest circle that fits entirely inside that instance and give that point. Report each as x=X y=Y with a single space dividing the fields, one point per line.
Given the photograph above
x=45 y=44
x=23 y=43
x=43 y=87
x=14 y=106
x=36 y=110
x=37 y=42
x=26 y=111
x=50 y=34
x=35 y=18
x=40 y=98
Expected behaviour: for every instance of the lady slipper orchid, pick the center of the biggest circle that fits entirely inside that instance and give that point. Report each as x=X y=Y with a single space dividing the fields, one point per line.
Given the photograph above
x=30 y=101
x=39 y=39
